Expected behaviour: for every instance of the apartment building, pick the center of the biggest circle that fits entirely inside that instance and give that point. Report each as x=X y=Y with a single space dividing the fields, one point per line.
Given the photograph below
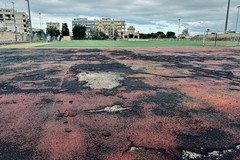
x=110 y=26
x=7 y=17
x=89 y=24
x=106 y=25
x=53 y=24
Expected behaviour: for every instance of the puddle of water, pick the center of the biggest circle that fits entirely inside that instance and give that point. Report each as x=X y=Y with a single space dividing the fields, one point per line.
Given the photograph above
x=100 y=80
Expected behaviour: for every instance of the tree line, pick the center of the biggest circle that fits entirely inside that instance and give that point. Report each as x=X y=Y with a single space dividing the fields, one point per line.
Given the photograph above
x=79 y=32
x=158 y=35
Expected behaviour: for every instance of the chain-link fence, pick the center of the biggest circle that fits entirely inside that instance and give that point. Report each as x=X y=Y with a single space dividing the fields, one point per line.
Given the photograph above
x=215 y=39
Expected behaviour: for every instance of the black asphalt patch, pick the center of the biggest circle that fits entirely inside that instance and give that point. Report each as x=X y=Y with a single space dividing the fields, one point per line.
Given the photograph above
x=205 y=141
x=10 y=151
x=105 y=67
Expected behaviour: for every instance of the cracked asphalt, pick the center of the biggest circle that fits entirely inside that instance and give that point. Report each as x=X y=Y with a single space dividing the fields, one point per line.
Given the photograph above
x=167 y=103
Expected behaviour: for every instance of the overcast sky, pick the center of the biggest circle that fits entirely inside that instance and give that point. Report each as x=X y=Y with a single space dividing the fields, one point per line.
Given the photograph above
x=145 y=15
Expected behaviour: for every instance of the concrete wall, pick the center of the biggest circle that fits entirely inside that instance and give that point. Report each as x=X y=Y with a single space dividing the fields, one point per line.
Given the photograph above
x=66 y=38
x=10 y=36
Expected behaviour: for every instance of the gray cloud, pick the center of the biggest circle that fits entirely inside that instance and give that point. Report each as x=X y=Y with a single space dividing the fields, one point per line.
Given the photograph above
x=194 y=14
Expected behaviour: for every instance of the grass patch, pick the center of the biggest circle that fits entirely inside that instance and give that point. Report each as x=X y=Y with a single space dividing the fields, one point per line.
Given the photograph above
x=155 y=43
x=116 y=44
x=110 y=44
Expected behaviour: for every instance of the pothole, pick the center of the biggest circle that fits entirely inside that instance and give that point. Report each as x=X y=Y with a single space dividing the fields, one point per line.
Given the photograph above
x=100 y=80
x=115 y=108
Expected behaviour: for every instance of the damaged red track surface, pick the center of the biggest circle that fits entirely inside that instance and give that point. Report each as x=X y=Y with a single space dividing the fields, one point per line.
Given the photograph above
x=179 y=103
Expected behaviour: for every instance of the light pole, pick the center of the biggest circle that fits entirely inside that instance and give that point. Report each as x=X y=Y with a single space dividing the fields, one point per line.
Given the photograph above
x=238 y=7
x=179 y=21
x=226 y=23
x=40 y=20
x=14 y=22
x=30 y=21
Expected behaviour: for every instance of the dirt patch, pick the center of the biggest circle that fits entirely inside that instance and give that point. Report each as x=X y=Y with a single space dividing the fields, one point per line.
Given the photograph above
x=100 y=80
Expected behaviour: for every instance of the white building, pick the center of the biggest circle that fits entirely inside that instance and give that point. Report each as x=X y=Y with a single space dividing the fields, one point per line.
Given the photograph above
x=106 y=25
x=131 y=34
x=89 y=24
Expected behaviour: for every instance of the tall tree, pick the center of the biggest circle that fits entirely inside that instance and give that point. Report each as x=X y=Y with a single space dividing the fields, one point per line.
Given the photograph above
x=103 y=36
x=41 y=34
x=154 y=35
x=160 y=34
x=65 y=30
x=143 y=36
x=171 y=34
x=53 y=31
x=94 y=33
x=115 y=34
x=79 y=32
x=98 y=35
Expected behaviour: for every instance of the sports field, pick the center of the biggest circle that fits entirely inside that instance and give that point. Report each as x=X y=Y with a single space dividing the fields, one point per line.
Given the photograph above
x=119 y=44
x=160 y=43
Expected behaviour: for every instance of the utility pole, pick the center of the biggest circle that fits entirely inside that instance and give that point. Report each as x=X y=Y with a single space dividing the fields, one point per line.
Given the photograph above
x=238 y=7
x=30 y=21
x=226 y=23
x=14 y=22
x=179 y=22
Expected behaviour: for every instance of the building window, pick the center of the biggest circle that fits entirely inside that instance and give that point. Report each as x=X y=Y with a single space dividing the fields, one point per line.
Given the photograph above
x=8 y=16
x=25 y=30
